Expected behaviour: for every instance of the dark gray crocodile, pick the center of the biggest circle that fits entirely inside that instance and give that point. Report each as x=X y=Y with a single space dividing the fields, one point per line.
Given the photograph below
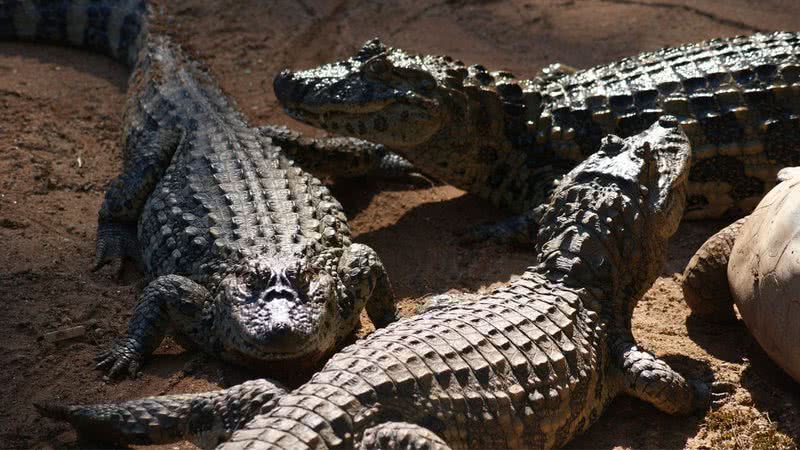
x=249 y=256
x=528 y=366
x=507 y=140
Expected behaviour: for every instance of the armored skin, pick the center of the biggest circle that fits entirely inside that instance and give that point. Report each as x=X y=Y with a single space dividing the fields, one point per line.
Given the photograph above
x=249 y=256
x=530 y=365
x=534 y=363
x=507 y=140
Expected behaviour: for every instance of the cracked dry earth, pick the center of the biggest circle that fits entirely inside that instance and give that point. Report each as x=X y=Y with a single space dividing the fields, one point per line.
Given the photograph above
x=60 y=112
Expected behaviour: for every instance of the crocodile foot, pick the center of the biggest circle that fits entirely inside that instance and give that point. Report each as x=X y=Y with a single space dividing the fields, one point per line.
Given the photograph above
x=121 y=358
x=396 y=168
x=518 y=231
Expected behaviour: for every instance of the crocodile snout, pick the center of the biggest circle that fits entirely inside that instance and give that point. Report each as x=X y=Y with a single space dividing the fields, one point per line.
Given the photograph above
x=282 y=336
x=285 y=329
x=287 y=88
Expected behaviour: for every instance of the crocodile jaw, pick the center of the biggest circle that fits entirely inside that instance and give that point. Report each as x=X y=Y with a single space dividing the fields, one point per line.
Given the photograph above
x=395 y=125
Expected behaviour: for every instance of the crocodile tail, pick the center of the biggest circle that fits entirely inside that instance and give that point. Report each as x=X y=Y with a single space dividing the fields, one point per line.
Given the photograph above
x=117 y=423
x=116 y=28
x=205 y=418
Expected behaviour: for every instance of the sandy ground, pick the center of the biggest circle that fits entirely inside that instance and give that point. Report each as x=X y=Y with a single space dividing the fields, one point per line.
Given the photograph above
x=60 y=112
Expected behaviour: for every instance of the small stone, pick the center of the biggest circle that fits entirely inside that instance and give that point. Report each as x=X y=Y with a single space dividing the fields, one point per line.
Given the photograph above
x=65 y=333
x=13 y=224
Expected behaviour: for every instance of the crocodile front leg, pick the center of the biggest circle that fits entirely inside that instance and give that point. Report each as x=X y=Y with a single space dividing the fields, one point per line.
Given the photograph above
x=365 y=280
x=652 y=380
x=401 y=436
x=206 y=418
x=341 y=157
x=169 y=300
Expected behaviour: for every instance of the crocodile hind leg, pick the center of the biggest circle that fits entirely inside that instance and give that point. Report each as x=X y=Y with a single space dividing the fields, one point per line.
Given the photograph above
x=341 y=157
x=168 y=301
x=206 y=419
x=401 y=436
x=152 y=133
x=365 y=280
x=149 y=150
x=705 y=279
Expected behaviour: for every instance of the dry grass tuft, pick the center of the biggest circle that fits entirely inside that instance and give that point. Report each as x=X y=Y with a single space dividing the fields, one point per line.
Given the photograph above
x=744 y=428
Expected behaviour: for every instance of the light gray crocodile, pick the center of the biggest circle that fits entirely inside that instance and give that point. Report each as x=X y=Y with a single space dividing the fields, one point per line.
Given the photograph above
x=507 y=140
x=250 y=257
x=528 y=366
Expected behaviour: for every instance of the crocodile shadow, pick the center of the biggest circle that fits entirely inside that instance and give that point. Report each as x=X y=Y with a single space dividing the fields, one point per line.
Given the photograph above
x=724 y=341
x=630 y=423
x=421 y=249
x=93 y=64
x=355 y=194
x=692 y=235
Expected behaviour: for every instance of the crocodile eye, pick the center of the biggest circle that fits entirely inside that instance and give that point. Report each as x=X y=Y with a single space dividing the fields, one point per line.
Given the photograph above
x=255 y=281
x=378 y=65
x=296 y=275
x=291 y=274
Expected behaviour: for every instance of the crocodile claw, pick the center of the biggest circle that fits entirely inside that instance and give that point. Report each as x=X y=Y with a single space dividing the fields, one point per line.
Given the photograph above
x=418 y=179
x=720 y=392
x=122 y=357
x=712 y=395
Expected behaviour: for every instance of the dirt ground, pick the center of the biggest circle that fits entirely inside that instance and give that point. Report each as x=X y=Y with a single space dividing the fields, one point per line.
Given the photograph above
x=60 y=112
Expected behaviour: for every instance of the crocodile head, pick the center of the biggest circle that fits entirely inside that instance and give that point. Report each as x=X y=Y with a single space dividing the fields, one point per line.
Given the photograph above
x=609 y=220
x=274 y=309
x=381 y=94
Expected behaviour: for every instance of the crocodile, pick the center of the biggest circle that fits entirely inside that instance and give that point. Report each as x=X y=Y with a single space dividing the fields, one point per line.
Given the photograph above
x=530 y=365
x=509 y=140
x=247 y=255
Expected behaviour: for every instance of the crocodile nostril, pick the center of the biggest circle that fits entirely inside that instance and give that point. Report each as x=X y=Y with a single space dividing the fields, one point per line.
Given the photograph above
x=289 y=89
x=281 y=328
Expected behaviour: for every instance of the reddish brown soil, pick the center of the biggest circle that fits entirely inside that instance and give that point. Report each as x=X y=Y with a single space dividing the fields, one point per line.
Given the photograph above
x=59 y=134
